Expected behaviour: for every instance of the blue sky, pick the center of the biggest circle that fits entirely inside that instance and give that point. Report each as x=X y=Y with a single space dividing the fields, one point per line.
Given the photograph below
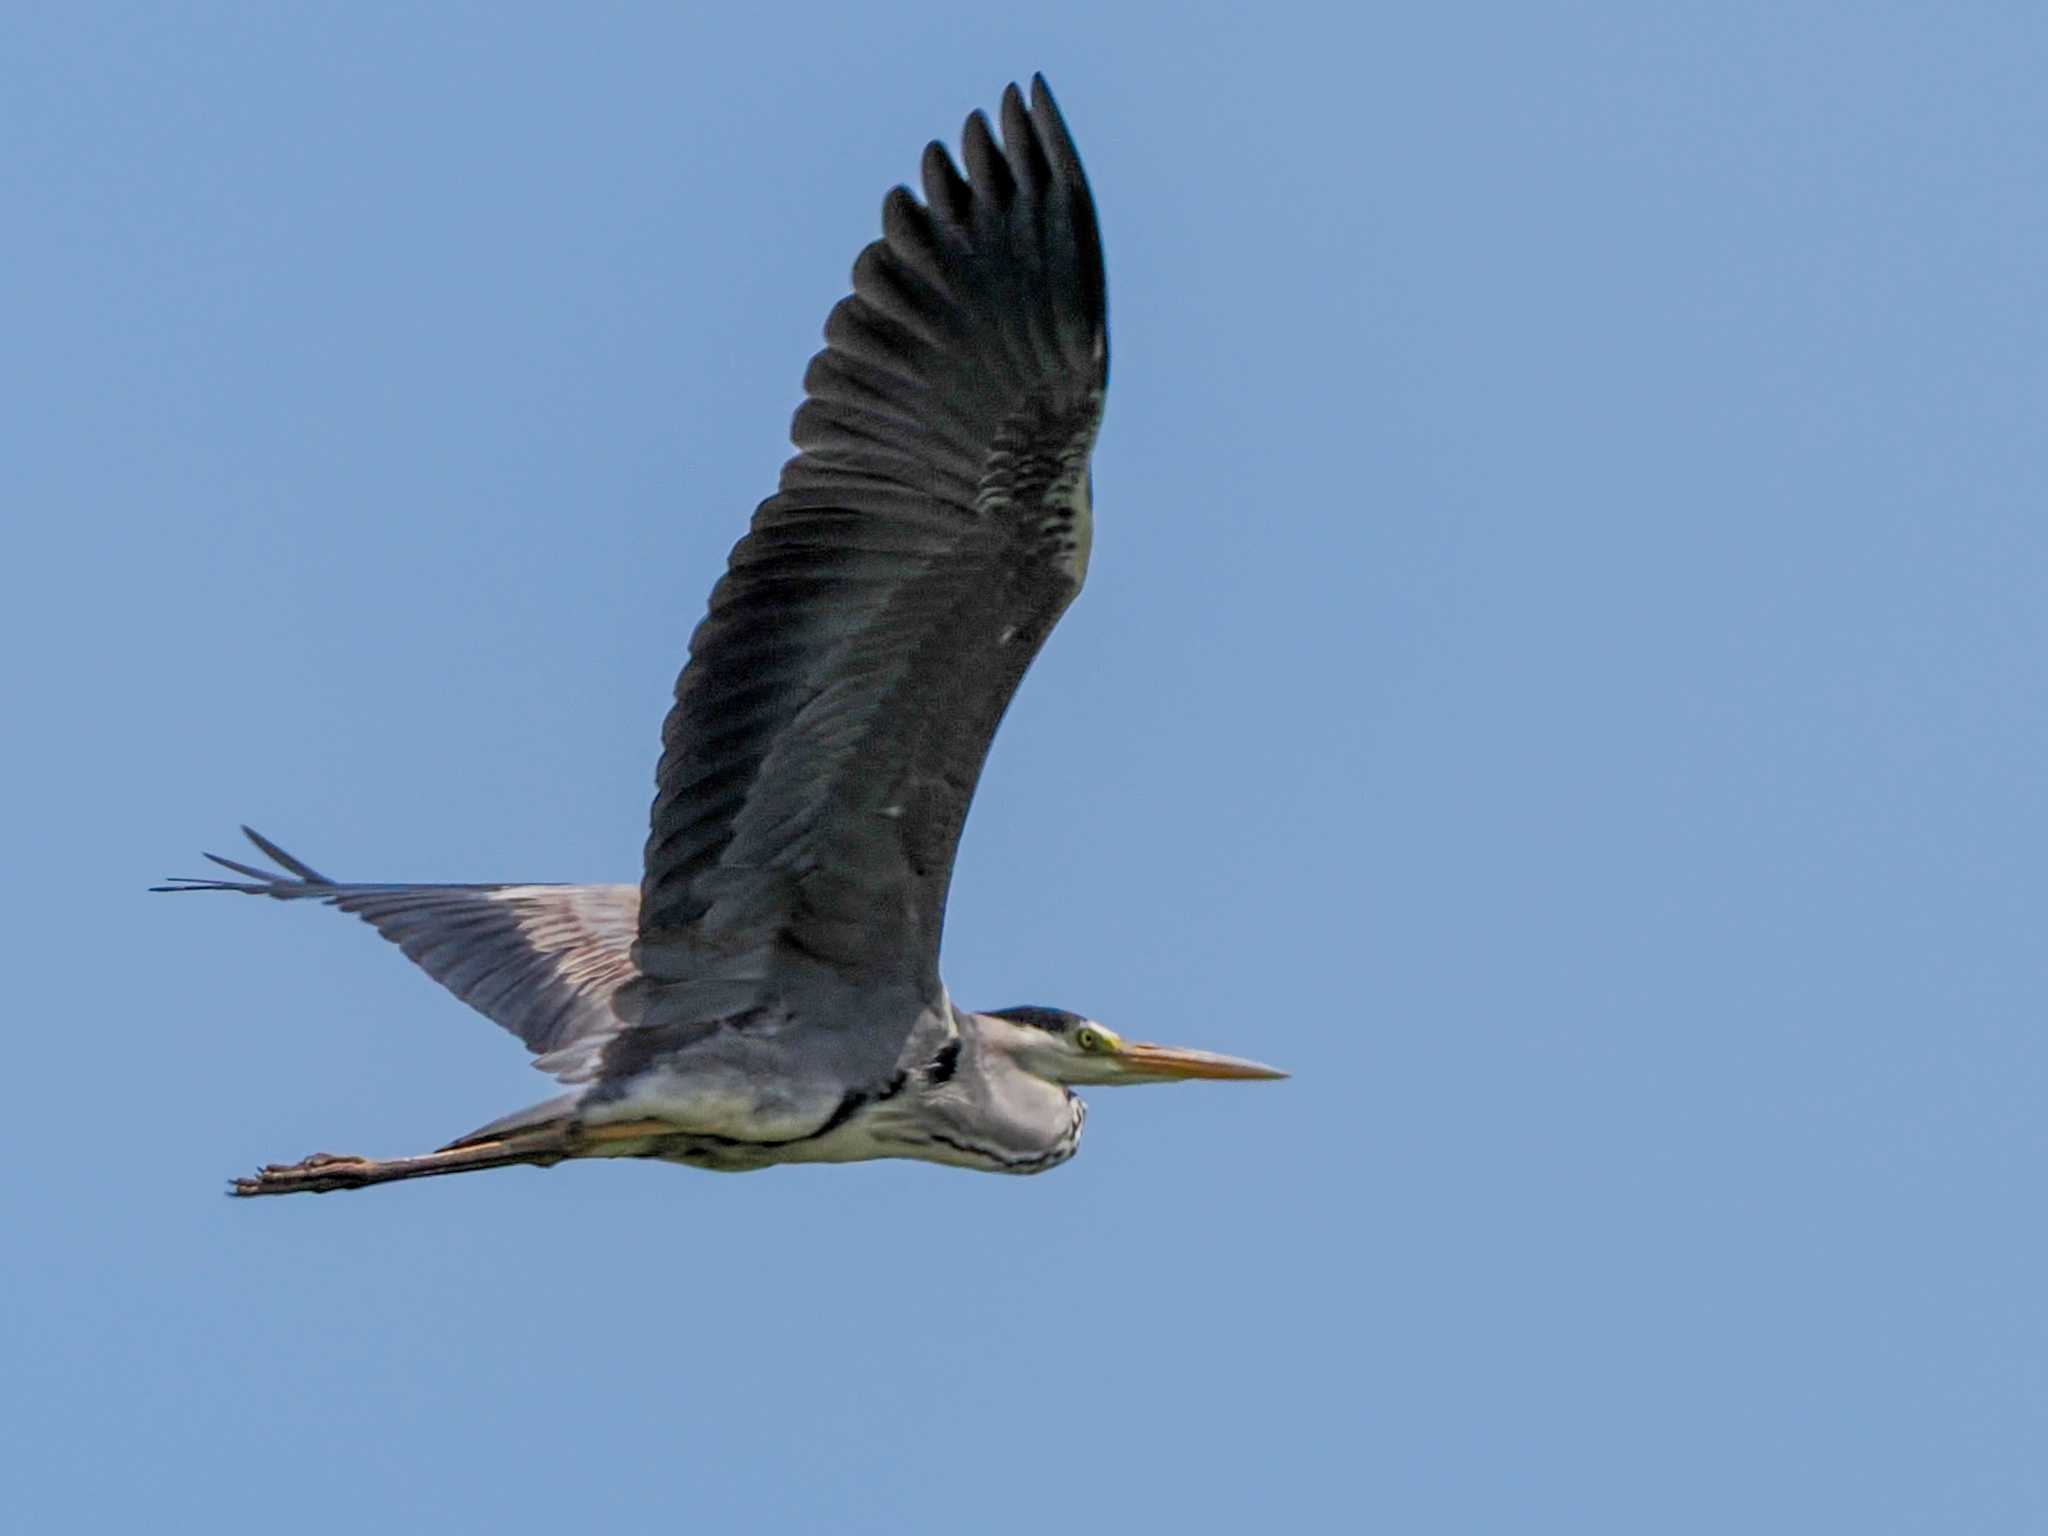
x=1562 y=671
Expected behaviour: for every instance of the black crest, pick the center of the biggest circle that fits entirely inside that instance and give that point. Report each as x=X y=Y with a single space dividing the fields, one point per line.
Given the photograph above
x=1056 y=1020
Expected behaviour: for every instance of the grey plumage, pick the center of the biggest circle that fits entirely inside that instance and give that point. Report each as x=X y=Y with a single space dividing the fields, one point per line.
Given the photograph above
x=770 y=992
x=544 y=961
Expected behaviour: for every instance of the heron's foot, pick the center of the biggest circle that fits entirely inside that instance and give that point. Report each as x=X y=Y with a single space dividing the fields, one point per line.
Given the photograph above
x=314 y=1175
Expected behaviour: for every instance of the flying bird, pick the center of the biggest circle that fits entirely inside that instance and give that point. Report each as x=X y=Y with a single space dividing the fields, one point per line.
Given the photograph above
x=769 y=992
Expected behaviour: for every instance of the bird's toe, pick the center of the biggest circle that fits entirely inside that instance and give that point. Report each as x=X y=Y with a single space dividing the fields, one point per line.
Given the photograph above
x=317 y=1160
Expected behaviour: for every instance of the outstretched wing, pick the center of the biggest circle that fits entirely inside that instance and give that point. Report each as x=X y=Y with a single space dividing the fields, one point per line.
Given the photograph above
x=870 y=630
x=544 y=961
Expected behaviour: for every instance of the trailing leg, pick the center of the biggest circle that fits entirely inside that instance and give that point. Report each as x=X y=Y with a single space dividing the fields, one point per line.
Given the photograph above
x=542 y=1146
x=325 y=1171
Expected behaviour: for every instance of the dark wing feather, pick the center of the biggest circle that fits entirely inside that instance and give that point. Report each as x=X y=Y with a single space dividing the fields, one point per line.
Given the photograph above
x=544 y=961
x=870 y=630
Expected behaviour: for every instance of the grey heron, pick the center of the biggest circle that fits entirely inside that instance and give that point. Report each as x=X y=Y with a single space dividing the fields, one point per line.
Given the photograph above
x=769 y=993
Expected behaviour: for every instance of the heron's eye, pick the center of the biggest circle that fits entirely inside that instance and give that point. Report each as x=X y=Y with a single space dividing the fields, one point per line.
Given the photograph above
x=1089 y=1039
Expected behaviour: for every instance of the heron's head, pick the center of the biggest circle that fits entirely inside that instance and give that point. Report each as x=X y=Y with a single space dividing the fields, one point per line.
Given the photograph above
x=1065 y=1048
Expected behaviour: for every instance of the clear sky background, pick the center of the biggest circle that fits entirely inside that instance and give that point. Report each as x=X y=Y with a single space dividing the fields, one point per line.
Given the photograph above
x=1562 y=671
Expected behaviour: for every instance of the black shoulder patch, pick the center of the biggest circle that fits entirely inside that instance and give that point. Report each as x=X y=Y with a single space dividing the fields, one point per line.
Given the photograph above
x=945 y=1064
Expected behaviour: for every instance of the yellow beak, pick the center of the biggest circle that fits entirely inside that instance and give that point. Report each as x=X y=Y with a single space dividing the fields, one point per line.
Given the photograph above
x=1167 y=1063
